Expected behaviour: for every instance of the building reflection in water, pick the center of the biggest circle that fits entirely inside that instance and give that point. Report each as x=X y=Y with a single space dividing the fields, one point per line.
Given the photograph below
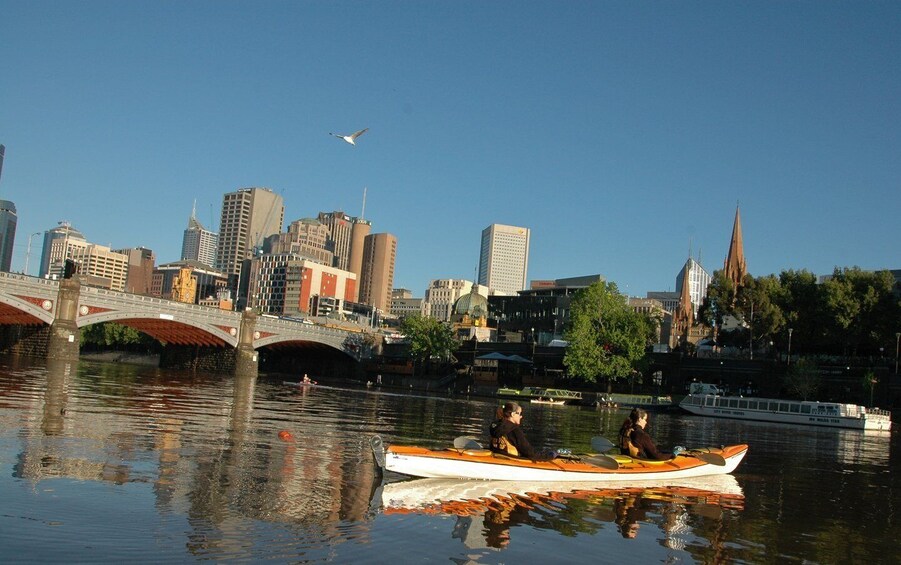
x=487 y=511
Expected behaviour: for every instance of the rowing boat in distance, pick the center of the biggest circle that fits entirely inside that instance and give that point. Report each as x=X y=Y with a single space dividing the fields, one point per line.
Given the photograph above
x=464 y=463
x=810 y=413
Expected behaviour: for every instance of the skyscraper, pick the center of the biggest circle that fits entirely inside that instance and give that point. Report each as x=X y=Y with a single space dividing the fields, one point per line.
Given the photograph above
x=698 y=281
x=56 y=248
x=249 y=216
x=379 y=254
x=504 y=258
x=199 y=243
x=8 y=221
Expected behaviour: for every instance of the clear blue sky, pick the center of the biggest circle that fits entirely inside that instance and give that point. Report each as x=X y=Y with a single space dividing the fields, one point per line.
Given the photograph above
x=619 y=132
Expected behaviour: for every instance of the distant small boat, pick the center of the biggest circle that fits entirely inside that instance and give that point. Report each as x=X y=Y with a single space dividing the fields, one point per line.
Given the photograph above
x=557 y=402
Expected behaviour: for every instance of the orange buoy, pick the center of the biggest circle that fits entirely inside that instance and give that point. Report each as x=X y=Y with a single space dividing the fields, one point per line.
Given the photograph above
x=285 y=435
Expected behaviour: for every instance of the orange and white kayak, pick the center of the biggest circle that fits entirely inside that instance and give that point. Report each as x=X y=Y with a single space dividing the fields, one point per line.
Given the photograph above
x=454 y=463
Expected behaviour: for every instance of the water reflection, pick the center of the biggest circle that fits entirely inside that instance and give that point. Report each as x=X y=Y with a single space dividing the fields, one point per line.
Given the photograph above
x=486 y=511
x=186 y=466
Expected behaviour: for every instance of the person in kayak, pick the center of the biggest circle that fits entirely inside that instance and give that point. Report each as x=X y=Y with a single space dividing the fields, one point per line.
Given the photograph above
x=635 y=442
x=507 y=436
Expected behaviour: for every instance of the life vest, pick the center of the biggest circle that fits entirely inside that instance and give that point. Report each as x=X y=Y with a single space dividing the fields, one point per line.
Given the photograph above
x=501 y=445
x=625 y=443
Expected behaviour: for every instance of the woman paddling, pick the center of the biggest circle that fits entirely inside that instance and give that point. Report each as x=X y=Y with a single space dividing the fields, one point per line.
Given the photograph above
x=635 y=442
x=507 y=436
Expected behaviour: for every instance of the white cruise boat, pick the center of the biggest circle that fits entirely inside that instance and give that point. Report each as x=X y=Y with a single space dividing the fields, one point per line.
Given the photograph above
x=828 y=414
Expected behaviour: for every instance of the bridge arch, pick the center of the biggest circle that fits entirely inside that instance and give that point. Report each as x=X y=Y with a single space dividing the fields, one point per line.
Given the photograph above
x=165 y=329
x=17 y=310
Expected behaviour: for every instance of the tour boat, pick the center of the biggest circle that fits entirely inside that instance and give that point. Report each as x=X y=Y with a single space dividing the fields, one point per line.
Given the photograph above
x=462 y=463
x=531 y=392
x=828 y=414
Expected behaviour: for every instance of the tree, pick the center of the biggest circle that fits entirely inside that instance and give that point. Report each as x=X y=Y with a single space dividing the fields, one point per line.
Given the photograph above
x=111 y=334
x=606 y=337
x=428 y=338
x=803 y=379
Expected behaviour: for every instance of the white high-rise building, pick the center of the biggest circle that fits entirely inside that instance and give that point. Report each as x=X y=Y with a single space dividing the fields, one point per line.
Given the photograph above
x=199 y=244
x=504 y=258
x=698 y=281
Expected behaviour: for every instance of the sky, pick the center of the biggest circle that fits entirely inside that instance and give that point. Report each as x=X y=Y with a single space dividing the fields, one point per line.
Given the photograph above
x=623 y=134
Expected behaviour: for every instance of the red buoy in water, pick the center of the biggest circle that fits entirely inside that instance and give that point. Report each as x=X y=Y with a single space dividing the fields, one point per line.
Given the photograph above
x=285 y=435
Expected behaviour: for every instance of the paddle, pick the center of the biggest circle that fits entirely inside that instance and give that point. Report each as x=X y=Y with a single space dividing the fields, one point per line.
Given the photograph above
x=601 y=444
x=711 y=458
x=467 y=442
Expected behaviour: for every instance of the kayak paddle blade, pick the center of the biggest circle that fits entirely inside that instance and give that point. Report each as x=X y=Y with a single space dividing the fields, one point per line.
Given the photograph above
x=601 y=461
x=467 y=442
x=601 y=444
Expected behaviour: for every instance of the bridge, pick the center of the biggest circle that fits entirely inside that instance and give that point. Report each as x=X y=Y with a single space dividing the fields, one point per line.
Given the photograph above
x=66 y=306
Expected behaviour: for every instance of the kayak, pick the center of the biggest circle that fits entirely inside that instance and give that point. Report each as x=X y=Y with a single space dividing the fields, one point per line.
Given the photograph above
x=463 y=463
x=447 y=496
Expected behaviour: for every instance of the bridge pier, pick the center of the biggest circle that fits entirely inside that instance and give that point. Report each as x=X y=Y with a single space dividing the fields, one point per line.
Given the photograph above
x=65 y=337
x=246 y=358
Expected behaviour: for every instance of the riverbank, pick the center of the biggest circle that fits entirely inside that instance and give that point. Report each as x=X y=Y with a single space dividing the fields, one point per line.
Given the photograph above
x=152 y=360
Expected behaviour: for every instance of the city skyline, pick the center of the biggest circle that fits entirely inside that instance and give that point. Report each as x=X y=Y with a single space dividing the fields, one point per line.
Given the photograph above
x=626 y=135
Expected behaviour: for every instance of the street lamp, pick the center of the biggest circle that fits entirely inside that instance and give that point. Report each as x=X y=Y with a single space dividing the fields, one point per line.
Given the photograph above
x=897 y=339
x=790 y=330
x=28 y=251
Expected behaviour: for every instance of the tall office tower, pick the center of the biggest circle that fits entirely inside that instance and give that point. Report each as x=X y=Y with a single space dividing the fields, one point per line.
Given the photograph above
x=345 y=233
x=504 y=259
x=199 y=243
x=141 y=262
x=359 y=231
x=8 y=220
x=379 y=255
x=56 y=248
x=249 y=216
x=2 y=153
x=307 y=238
x=698 y=281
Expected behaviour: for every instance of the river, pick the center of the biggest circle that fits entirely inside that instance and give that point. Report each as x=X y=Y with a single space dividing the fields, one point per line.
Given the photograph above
x=113 y=463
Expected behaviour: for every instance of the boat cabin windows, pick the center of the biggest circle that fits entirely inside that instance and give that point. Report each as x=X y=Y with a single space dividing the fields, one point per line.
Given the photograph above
x=805 y=409
x=794 y=408
x=733 y=403
x=752 y=404
x=742 y=403
x=774 y=406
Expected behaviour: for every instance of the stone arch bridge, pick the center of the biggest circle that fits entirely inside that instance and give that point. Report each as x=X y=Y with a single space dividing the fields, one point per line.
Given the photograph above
x=66 y=306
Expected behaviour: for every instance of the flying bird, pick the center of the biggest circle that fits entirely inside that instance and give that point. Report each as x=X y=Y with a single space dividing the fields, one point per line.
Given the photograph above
x=350 y=138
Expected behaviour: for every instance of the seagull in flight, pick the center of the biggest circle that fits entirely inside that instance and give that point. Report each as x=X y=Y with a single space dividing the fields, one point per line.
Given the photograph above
x=350 y=138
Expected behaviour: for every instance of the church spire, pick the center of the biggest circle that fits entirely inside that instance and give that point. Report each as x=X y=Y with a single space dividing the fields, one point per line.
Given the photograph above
x=734 y=267
x=683 y=317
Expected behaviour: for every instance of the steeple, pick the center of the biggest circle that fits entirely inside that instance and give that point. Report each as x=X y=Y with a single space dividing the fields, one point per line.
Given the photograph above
x=734 y=267
x=683 y=317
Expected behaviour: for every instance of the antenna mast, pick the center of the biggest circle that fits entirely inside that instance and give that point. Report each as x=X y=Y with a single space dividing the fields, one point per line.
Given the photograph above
x=363 y=212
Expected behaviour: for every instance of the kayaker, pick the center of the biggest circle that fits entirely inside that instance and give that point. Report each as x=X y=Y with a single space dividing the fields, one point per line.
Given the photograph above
x=635 y=442
x=507 y=436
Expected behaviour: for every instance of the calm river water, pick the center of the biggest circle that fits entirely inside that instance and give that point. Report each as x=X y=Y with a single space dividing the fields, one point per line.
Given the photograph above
x=114 y=463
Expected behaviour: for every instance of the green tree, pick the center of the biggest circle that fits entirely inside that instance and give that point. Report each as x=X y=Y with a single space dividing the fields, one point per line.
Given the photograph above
x=111 y=334
x=803 y=379
x=719 y=301
x=428 y=338
x=759 y=303
x=606 y=337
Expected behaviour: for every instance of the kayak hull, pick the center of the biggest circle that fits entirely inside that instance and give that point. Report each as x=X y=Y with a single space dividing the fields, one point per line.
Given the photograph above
x=482 y=464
